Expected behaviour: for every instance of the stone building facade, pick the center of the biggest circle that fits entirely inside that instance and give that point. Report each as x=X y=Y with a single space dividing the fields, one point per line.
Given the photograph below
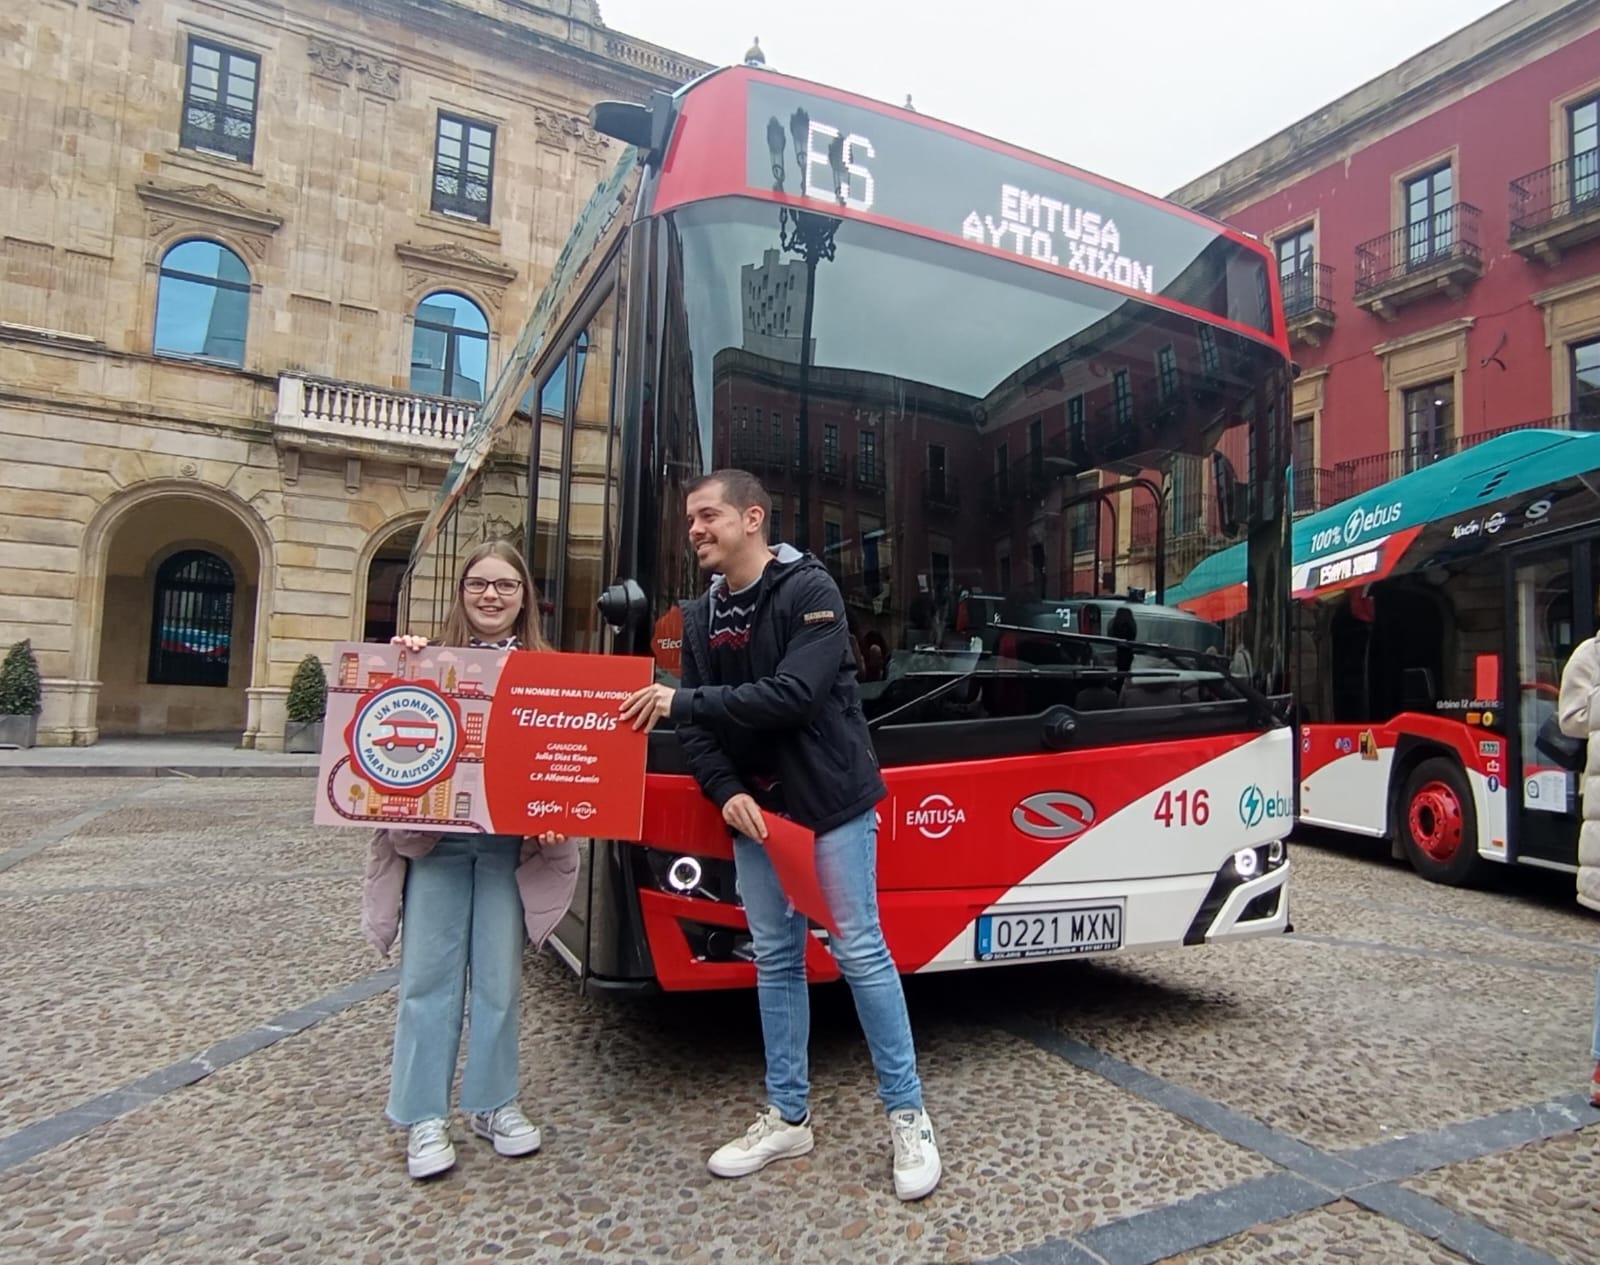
x=257 y=264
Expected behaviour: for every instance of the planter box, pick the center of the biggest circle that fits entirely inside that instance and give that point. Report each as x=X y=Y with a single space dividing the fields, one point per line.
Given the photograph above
x=303 y=737
x=18 y=731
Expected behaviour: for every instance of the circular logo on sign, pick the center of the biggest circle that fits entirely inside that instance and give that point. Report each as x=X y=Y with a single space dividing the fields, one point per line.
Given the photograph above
x=403 y=737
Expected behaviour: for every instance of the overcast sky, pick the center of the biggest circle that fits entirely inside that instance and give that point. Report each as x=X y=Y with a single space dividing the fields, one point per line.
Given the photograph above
x=1149 y=92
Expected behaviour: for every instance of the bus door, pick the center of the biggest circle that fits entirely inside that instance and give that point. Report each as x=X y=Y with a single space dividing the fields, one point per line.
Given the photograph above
x=1546 y=623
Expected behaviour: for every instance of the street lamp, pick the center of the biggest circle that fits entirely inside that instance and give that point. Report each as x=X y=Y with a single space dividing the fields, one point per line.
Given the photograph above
x=811 y=236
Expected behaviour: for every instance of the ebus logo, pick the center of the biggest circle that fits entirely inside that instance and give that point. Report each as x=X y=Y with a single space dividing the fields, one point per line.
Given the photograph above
x=1255 y=806
x=403 y=737
x=1361 y=523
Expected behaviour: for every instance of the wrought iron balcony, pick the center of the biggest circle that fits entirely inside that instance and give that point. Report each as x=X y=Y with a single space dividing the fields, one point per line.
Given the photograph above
x=1308 y=303
x=1437 y=254
x=1362 y=474
x=1316 y=489
x=1556 y=208
x=352 y=411
x=869 y=475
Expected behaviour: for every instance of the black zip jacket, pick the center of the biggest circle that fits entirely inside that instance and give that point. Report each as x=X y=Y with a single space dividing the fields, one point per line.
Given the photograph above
x=801 y=714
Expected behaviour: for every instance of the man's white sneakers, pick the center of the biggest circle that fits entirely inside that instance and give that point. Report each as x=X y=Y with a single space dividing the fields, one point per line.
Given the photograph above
x=916 y=1156
x=770 y=1138
x=429 y=1150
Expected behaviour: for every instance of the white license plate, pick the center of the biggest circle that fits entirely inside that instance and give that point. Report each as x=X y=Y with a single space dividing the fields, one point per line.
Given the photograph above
x=1048 y=932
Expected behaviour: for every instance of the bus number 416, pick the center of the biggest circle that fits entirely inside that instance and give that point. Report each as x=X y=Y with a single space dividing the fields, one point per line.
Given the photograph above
x=1186 y=808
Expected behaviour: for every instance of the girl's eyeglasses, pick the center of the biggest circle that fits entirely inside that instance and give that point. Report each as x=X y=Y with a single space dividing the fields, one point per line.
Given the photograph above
x=474 y=584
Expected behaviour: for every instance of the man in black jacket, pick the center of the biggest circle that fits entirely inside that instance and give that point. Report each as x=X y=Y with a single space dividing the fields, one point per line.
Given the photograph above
x=770 y=719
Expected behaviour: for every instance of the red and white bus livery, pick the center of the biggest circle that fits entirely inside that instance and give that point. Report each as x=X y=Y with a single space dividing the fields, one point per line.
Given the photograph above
x=1433 y=617
x=1005 y=402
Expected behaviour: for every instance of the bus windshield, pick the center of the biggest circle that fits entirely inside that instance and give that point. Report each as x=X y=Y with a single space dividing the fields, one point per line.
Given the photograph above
x=968 y=444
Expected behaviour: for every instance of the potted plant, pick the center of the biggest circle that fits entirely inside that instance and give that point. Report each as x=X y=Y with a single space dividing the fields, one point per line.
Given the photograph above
x=19 y=697
x=308 y=703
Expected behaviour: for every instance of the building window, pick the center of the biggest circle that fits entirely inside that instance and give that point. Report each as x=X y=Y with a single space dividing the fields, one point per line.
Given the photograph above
x=867 y=446
x=1305 y=460
x=1036 y=447
x=1430 y=422
x=1003 y=565
x=872 y=554
x=1583 y=144
x=192 y=627
x=202 y=303
x=830 y=447
x=1209 y=361
x=1167 y=371
x=777 y=436
x=1124 y=397
x=1077 y=431
x=1296 y=257
x=775 y=524
x=1002 y=473
x=463 y=168
x=833 y=546
x=449 y=347
x=1085 y=513
x=1586 y=380
x=1430 y=215
x=219 y=101
x=937 y=474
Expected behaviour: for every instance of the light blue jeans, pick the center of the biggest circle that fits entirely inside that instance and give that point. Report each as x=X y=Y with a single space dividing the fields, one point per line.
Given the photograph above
x=463 y=916
x=847 y=867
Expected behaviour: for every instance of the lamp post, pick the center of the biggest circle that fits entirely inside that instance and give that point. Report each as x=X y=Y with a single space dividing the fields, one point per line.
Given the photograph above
x=809 y=235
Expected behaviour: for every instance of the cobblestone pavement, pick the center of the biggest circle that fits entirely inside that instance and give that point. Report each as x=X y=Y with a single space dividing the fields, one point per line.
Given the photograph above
x=194 y=1046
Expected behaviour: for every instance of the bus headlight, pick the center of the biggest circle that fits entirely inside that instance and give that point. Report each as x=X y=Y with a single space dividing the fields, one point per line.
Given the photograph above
x=684 y=874
x=1275 y=854
x=1246 y=862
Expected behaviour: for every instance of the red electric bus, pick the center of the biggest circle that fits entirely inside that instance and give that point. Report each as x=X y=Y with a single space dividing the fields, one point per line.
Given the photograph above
x=1006 y=402
x=1433 y=616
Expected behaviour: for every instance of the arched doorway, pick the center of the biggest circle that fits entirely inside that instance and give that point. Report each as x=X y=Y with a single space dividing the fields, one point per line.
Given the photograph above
x=177 y=623
x=380 y=619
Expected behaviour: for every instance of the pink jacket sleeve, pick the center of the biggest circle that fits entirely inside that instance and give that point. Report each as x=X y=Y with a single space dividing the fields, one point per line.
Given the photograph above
x=546 y=881
x=383 y=887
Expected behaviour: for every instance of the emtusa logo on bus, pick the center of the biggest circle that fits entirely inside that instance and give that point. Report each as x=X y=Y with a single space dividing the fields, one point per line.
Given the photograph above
x=404 y=737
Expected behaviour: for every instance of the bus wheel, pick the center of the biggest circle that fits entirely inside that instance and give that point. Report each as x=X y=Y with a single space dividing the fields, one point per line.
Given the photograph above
x=1439 y=825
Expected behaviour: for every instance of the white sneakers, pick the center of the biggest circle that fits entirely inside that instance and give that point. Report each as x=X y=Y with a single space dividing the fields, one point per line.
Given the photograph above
x=770 y=1138
x=916 y=1156
x=429 y=1150
x=511 y=1132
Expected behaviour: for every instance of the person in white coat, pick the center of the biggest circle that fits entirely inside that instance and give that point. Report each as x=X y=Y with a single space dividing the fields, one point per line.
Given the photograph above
x=1579 y=716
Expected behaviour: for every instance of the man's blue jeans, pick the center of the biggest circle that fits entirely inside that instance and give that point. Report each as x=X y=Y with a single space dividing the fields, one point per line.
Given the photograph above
x=847 y=866
x=462 y=916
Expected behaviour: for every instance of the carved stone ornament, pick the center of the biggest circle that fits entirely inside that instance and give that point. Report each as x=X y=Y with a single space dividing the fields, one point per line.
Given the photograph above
x=424 y=265
x=208 y=203
x=115 y=8
x=569 y=131
x=340 y=63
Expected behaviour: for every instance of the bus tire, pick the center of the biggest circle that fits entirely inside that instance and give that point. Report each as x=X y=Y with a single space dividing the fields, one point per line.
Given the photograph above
x=1438 y=824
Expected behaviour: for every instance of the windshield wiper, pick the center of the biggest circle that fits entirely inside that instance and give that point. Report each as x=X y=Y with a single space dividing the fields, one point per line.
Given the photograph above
x=1174 y=654
x=1052 y=673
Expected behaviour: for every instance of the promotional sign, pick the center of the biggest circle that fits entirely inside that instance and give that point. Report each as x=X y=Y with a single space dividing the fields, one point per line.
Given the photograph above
x=792 y=850
x=506 y=742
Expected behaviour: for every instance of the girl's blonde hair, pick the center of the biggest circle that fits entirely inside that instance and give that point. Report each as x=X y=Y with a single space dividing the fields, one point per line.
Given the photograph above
x=527 y=629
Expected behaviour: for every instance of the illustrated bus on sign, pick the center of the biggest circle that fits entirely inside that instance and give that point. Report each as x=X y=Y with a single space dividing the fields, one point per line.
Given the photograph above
x=960 y=368
x=1433 y=617
x=408 y=731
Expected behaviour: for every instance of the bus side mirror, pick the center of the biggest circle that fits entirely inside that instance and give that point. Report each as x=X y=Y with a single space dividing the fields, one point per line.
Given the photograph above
x=623 y=605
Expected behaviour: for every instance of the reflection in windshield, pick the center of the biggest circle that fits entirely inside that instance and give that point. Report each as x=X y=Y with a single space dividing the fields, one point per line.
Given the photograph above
x=984 y=444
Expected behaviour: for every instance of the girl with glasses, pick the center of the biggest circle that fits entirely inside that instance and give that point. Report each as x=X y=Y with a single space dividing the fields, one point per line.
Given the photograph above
x=467 y=899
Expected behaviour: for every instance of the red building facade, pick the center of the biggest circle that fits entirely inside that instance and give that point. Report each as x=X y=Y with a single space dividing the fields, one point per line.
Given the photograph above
x=1438 y=239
